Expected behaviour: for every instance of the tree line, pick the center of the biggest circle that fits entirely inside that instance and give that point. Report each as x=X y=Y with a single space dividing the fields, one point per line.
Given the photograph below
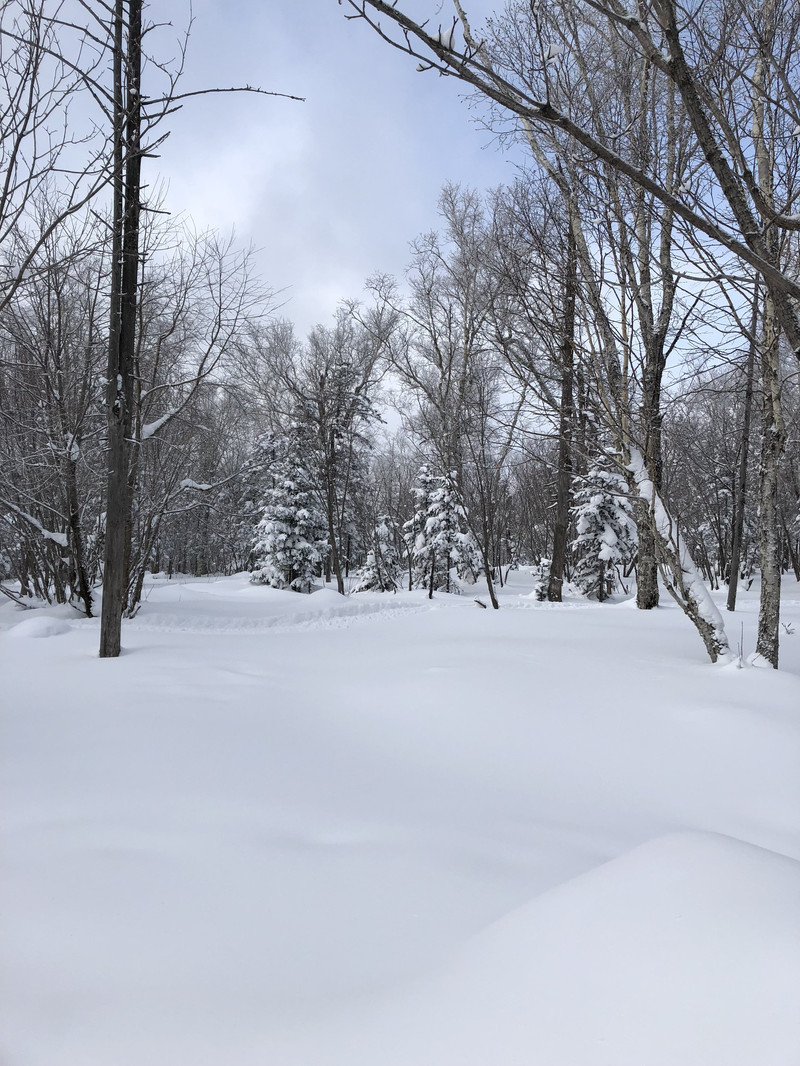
x=592 y=371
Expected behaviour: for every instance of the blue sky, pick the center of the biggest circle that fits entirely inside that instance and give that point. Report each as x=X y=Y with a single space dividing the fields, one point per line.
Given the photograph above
x=333 y=189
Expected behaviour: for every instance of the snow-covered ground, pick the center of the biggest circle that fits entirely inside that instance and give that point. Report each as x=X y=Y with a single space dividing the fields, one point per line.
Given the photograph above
x=285 y=830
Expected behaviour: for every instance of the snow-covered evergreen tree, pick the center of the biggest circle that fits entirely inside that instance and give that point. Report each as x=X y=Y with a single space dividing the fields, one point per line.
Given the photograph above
x=447 y=529
x=510 y=550
x=541 y=579
x=606 y=533
x=290 y=538
x=438 y=540
x=414 y=528
x=381 y=571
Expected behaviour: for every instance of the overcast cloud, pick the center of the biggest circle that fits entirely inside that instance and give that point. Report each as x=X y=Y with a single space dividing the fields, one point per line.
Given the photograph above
x=333 y=189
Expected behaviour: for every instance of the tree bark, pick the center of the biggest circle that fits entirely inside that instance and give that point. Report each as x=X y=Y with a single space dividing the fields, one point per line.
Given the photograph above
x=566 y=416
x=335 y=561
x=772 y=440
x=77 y=538
x=122 y=331
x=681 y=576
x=741 y=477
x=489 y=582
x=647 y=566
x=772 y=427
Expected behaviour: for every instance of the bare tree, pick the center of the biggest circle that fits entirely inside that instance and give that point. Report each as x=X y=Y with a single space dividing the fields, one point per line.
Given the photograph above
x=459 y=400
x=51 y=418
x=48 y=71
x=715 y=98
x=194 y=307
x=133 y=122
x=677 y=47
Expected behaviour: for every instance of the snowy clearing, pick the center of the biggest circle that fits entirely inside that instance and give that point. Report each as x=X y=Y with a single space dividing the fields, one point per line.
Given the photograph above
x=285 y=830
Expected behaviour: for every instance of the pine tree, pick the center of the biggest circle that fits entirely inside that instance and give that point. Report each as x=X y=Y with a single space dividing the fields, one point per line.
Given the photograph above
x=291 y=541
x=414 y=529
x=541 y=579
x=606 y=533
x=381 y=572
x=436 y=527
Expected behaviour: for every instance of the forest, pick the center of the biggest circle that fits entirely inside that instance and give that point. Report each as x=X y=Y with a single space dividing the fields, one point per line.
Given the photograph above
x=591 y=371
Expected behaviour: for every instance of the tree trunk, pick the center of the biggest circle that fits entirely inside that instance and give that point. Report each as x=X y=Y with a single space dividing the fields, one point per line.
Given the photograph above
x=772 y=427
x=682 y=579
x=119 y=413
x=772 y=440
x=335 y=561
x=566 y=414
x=77 y=538
x=647 y=563
x=794 y=557
x=489 y=582
x=741 y=479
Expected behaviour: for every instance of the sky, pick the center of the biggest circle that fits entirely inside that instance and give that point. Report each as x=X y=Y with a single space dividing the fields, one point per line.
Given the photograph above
x=331 y=190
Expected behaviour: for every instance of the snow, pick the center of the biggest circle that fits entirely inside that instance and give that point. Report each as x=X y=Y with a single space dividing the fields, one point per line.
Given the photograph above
x=445 y=37
x=314 y=830
x=38 y=626
x=152 y=428
x=73 y=448
x=690 y=926
x=57 y=538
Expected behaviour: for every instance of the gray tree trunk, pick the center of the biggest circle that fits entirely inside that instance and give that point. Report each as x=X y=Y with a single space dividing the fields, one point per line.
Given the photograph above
x=772 y=440
x=566 y=417
x=772 y=427
x=741 y=478
x=122 y=332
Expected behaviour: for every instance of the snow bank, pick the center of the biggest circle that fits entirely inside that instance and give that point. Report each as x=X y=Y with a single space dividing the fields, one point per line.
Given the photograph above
x=39 y=626
x=685 y=950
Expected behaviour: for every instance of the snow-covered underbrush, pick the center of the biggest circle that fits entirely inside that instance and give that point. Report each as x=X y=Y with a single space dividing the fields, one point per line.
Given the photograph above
x=307 y=830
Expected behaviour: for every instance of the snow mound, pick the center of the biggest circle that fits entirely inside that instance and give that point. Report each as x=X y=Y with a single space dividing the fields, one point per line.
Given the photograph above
x=326 y=597
x=685 y=950
x=40 y=627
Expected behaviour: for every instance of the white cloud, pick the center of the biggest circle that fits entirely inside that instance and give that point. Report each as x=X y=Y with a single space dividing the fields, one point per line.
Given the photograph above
x=330 y=190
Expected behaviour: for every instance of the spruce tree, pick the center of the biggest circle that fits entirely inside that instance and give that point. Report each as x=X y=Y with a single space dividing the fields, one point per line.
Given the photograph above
x=439 y=542
x=290 y=537
x=606 y=533
x=381 y=571
x=414 y=529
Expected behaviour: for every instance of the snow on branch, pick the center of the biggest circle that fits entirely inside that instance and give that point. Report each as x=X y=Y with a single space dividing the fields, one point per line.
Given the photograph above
x=152 y=428
x=57 y=538
x=692 y=592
